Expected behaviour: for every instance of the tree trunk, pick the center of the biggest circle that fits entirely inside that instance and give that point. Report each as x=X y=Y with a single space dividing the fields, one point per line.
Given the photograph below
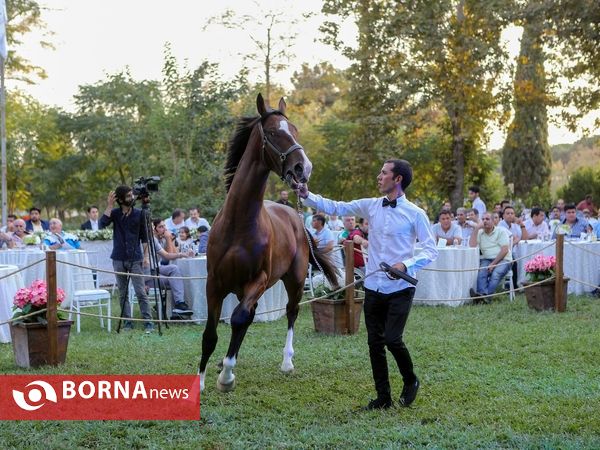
x=456 y=180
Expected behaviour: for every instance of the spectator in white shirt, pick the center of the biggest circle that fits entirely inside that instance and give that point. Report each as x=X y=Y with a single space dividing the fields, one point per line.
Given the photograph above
x=175 y=222
x=536 y=227
x=476 y=200
x=195 y=221
x=322 y=234
x=447 y=230
x=334 y=223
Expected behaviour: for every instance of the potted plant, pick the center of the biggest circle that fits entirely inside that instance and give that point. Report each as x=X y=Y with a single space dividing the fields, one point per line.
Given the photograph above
x=329 y=314
x=30 y=334
x=540 y=273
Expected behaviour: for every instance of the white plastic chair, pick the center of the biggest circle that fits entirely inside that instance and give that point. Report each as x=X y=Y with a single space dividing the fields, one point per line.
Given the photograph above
x=86 y=294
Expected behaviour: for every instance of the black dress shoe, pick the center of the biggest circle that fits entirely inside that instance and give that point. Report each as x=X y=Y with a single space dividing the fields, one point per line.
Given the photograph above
x=378 y=403
x=409 y=393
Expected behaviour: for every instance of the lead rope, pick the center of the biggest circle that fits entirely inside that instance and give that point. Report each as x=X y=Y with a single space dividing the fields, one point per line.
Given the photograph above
x=310 y=246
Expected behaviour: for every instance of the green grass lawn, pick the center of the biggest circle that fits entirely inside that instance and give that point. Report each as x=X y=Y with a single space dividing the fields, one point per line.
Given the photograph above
x=494 y=376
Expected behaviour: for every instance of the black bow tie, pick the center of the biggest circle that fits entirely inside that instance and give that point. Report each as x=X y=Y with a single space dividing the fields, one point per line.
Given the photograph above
x=387 y=202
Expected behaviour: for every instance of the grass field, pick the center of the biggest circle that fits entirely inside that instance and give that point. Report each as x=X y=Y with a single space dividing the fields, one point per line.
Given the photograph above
x=494 y=376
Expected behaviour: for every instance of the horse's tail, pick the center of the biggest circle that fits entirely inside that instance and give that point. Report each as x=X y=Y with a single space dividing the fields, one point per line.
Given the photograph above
x=318 y=257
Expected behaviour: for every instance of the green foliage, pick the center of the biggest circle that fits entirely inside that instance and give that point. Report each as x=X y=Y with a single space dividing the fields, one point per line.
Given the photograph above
x=526 y=159
x=581 y=182
x=455 y=61
x=491 y=377
x=176 y=129
x=24 y=18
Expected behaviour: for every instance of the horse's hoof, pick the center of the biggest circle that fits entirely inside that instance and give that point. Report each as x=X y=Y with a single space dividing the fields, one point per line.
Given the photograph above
x=225 y=387
x=287 y=368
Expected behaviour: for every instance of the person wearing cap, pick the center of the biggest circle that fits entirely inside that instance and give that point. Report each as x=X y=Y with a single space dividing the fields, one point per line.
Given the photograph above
x=394 y=226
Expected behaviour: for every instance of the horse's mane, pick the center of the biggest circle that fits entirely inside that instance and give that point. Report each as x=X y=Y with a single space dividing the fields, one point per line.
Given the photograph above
x=237 y=146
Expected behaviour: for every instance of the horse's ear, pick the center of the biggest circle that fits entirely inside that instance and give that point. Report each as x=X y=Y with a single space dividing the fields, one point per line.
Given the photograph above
x=260 y=105
x=282 y=106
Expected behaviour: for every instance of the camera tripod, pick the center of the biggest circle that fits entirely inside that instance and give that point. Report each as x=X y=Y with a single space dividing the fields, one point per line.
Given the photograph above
x=160 y=291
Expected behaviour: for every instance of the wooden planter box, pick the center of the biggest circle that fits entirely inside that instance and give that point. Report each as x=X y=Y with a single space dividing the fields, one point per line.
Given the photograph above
x=329 y=316
x=541 y=296
x=30 y=343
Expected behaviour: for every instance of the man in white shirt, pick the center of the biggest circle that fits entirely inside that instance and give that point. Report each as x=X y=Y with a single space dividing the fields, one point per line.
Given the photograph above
x=322 y=234
x=476 y=200
x=175 y=222
x=447 y=230
x=395 y=225
x=536 y=227
x=465 y=228
x=195 y=221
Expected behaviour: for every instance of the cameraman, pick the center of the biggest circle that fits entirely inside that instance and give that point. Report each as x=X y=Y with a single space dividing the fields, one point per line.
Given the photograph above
x=129 y=236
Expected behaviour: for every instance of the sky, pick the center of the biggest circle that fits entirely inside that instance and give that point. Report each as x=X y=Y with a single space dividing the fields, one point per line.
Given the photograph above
x=94 y=38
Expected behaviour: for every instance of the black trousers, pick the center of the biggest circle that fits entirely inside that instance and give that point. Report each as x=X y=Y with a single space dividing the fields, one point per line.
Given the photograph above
x=385 y=318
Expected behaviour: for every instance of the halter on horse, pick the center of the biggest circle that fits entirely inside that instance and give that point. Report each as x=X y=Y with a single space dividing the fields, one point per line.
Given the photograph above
x=254 y=243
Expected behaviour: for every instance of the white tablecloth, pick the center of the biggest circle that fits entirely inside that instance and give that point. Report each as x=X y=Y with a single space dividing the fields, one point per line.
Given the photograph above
x=195 y=294
x=578 y=263
x=99 y=256
x=22 y=258
x=447 y=286
x=8 y=289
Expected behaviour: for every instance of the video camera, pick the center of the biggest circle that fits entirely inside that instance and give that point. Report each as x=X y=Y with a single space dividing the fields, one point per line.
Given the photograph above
x=144 y=185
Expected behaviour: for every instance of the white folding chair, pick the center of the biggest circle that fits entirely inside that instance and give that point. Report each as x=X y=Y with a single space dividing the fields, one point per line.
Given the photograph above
x=86 y=294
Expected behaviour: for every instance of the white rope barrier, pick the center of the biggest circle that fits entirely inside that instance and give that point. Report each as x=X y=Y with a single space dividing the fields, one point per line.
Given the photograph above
x=128 y=273
x=22 y=269
x=579 y=247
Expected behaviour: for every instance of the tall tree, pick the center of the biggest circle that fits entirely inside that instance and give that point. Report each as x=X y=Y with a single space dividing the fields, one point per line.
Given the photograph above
x=24 y=16
x=526 y=158
x=273 y=41
x=414 y=54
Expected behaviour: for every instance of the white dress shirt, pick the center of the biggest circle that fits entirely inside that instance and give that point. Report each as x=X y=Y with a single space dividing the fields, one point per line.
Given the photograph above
x=189 y=222
x=392 y=236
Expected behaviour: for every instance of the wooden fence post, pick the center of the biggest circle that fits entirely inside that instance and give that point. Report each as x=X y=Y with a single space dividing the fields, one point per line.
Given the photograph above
x=349 y=294
x=51 y=308
x=559 y=290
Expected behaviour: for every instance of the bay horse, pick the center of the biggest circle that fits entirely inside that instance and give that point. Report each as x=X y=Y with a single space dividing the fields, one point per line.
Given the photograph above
x=254 y=243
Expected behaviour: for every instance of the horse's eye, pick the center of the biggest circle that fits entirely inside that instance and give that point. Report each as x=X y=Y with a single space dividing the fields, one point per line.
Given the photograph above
x=272 y=133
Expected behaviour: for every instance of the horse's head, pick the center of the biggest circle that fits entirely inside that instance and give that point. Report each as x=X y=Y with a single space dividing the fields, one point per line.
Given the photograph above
x=282 y=153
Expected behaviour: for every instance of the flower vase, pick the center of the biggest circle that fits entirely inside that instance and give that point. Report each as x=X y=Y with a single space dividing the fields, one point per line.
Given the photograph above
x=541 y=296
x=30 y=342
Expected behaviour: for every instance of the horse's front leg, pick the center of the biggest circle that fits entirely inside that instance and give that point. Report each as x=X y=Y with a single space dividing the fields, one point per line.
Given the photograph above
x=294 y=296
x=242 y=317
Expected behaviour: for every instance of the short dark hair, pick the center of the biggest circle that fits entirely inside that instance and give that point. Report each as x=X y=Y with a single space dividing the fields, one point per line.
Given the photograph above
x=155 y=222
x=507 y=207
x=474 y=189
x=536 y=211
x=202 y=229
x=504 y=202
x=12 y=216
x=320 y=218
x=570 y=206
x=402 y=168
x=92 y=207
x=177 y=212
x=444 y=211
x=121 y=192
x=34 y=208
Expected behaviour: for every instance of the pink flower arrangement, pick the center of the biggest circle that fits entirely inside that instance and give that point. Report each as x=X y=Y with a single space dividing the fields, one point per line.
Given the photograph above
x=32 y=299
x=540 y=267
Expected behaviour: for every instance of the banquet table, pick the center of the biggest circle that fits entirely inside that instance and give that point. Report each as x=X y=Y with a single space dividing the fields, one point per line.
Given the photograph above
x=195 y=294
x=581 y=261
x=64 y=273
x=442 y=288
x=99 y=256
x=8 y=289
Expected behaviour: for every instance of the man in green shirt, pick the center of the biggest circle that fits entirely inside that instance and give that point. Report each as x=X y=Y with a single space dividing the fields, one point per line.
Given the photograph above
x=495 y=258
